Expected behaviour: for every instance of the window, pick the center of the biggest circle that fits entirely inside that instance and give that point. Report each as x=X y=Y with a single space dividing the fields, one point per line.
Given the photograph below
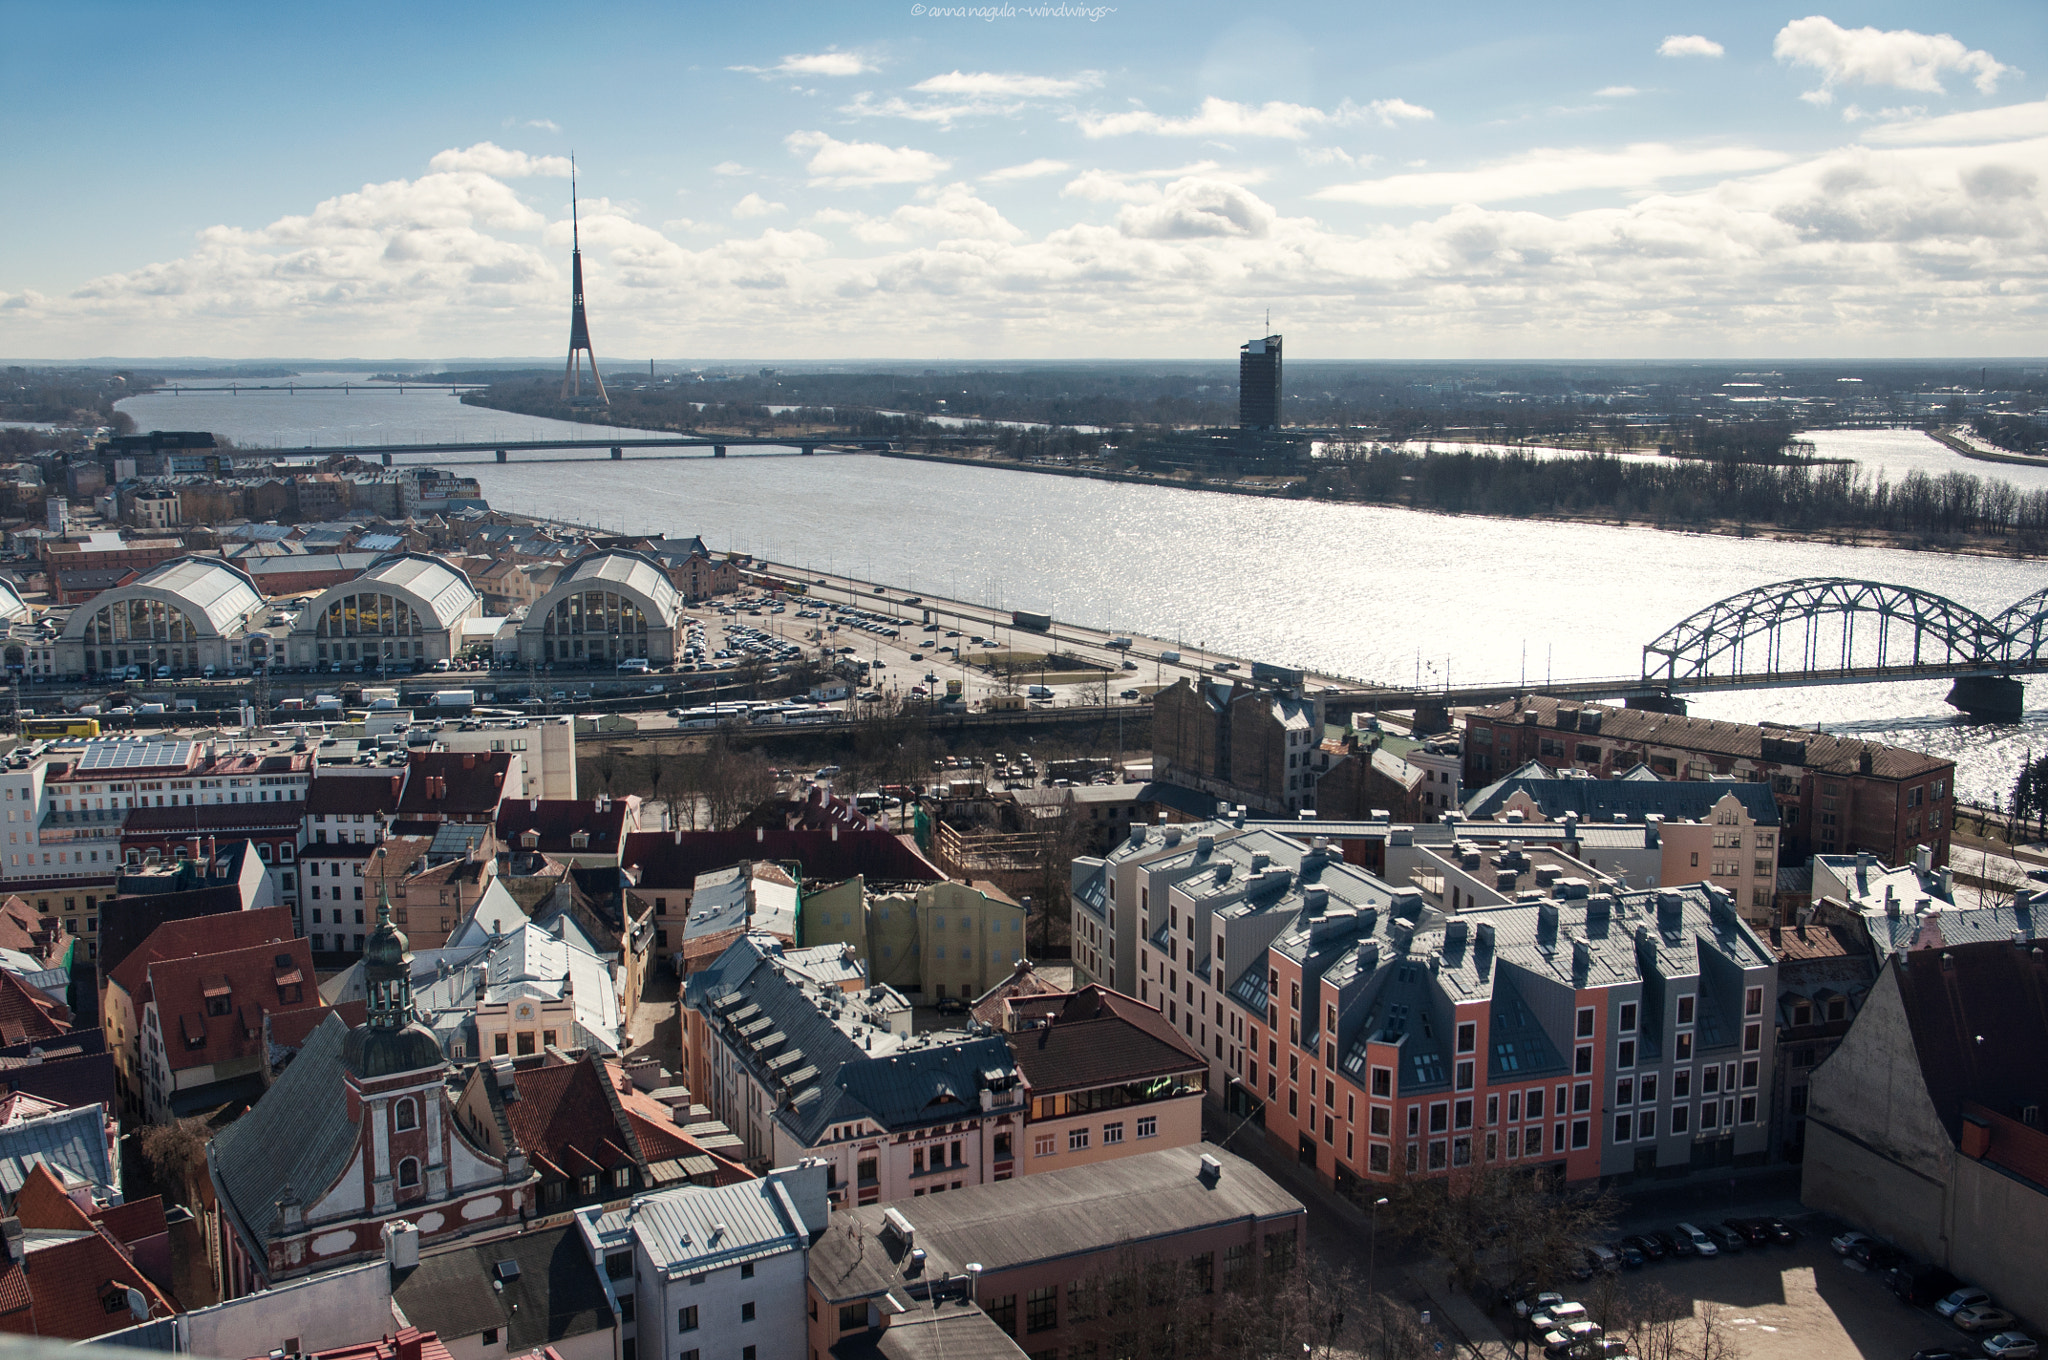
x=1681 y=1047
x=747 y=1311
x=1582 y=1061
x=1752 y=1038
x=1042 y=1309
x=686 y=1318
x=1681 y=1084
x=405 y=1115
x=1112 y=1133
x=1383 y=1081
x=1623 y=1127
x=1646 y=1124
x=1680 y=1114
x=1381 y=1120
x=1077 y=1140
x=1753 y=1001
x=1585 y=1022
x=408 y=1173
x=1685 y=1010
x=1582 y=1097
x=1649 y=1085
x=747 y=1270
x=1462 y=1114
x=1148 y=1127
x=1468 y=1037
x=1582 y=1133
x=1628 y=1017
x=1625 y=1054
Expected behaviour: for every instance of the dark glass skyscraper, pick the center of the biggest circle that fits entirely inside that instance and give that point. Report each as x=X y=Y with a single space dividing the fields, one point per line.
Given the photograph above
x=1258 y=384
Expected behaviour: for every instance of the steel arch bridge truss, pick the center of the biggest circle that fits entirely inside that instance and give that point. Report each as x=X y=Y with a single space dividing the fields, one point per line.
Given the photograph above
x=1828 y=625
x=2024 y=624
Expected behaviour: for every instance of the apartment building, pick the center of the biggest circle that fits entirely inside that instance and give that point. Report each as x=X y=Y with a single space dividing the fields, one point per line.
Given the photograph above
x=933 y=940
x=1257 y=743
x=801 y=1060
x=1835 y=795
x=1375 y=1031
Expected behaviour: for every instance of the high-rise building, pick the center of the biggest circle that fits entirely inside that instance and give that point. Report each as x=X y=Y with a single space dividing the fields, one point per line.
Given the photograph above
x=1258 y=384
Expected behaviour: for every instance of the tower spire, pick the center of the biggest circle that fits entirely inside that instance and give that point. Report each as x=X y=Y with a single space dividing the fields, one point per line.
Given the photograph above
x=579 y=324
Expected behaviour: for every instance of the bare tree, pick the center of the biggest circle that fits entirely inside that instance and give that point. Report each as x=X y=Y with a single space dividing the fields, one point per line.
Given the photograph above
x=176 y=1153
x=1518 y=1218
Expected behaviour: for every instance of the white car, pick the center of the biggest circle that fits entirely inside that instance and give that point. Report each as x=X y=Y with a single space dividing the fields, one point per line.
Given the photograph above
x=1536 y=1303
x=1701 y=1243
x=1557 y=1315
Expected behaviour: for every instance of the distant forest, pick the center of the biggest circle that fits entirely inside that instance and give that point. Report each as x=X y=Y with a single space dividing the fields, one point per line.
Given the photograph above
x=1820 y=498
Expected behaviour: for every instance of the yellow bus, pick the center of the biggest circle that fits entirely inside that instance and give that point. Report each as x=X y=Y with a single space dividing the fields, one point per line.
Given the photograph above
x=60 y=727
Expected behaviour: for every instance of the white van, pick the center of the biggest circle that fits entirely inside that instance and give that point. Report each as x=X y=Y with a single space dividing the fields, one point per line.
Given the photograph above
x=1040 y=692
x=633 y=665
x=1701 y=1243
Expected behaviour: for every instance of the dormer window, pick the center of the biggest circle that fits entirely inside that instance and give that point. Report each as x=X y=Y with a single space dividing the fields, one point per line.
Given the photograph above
x=580 y=841
x=219 y=997
x=529 y=839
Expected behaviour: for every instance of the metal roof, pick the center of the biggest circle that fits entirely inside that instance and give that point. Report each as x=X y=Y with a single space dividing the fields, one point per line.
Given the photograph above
x=213 y=595
x=630 y=573
x=701 y=1227
x=438 y=588
x=73 y=1143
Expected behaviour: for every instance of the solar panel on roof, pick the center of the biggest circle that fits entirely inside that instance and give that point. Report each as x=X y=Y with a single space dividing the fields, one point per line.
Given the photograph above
x=130 y=755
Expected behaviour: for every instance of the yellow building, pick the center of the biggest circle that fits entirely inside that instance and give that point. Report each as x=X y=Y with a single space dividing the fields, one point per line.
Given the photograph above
x=939 y=941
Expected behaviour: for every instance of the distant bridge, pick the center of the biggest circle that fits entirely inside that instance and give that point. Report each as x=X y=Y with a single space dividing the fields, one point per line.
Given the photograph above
x=1828 y=630
x=502 y=449
x=294 y=388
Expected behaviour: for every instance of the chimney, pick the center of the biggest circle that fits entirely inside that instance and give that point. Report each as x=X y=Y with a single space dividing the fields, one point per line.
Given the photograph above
x=209 y=854
x=533 y=805
x=1923 y=859
x=192 y=850
x=469 y=760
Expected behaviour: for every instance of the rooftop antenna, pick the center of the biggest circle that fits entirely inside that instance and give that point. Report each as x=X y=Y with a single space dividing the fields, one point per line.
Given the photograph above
x=579 y=325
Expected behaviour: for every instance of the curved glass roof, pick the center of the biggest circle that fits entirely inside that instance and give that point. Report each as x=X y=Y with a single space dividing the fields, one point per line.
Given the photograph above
x=429 y=585
x=11 y=606
x=212 y=594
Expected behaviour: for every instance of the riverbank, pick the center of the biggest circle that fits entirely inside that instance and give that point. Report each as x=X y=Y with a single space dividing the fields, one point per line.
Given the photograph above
x=1975 y=545
x=1969 y=450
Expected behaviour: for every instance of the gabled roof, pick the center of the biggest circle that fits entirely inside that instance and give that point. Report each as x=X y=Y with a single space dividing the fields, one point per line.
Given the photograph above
x=127 y=922
x=27 y=1014
x=298 y=1135
x=185 y=938
x=1630 y=798
x=567 y=1121
x=78 y=1287
x=1099 y=1040
x=557 y=821
x=73 y=1142
x=554 y=1294
x=454 y=783
x=248 y=982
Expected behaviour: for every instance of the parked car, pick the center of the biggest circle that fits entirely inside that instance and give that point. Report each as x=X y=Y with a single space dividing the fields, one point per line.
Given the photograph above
x=1845 y=1242
x=1557 y=1315
x=1702 y=1244
x=1726 y=1238
x=1673 y=1243
x=1531 y=1300
x=1780 y=1230
x=1877 y=1255
x=2011 y=1346
x=1965 y=1296
x=1920 y=1285
x=1751 y=1230
x=1632 y=1257
x=1649 y=1247
x=1982 y=1317
x=1562 y=1341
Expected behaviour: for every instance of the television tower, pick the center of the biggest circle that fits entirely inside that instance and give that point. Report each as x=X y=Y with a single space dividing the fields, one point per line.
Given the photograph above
x=579 y=325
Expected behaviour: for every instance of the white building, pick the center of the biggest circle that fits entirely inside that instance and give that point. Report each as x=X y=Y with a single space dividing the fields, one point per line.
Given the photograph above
x=709 y=1271
x=184 y=615
x=406 y=611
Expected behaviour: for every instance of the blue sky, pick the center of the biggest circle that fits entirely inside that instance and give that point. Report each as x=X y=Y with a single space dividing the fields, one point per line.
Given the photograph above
x=860 y=179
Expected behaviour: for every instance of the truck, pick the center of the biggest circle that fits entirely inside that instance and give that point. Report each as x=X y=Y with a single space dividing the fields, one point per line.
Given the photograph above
x=1026 y=618
x=1122 y=644
x=1039 y=691
x=454 y=698
x=378 y=696
x=1170 y=658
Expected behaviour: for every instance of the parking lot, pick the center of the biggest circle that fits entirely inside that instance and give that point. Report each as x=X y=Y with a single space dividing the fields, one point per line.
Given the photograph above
x=1796 y=1302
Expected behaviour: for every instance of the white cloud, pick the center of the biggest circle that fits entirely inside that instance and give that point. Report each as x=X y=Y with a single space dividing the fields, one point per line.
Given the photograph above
x=729 y=168
x=1554 y=170
x=1617 y=92
x=1391 y=112
x=845 y=165
x=1925 y=237
x=1190 y=209
x=2010 y=123
x=813 y=64
x=544 y=124
x=1897 y=57
x=753 y=205
x=1028 y=170
x=1216 y=118
x=995 y=85
x=488 y=158
x=1689 y=45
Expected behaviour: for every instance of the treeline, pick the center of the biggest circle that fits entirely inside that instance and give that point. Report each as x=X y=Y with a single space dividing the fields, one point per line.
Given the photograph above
x=1807 y=498
x=70 y=396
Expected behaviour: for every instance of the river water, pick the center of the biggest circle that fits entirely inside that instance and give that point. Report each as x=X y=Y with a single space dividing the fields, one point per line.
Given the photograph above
x=1360 y=591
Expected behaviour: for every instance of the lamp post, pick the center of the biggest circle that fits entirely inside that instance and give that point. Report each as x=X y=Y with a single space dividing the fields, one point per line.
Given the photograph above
x=1372 y=1251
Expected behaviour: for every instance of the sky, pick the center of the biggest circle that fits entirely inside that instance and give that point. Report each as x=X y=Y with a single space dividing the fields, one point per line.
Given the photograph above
x=882 y=179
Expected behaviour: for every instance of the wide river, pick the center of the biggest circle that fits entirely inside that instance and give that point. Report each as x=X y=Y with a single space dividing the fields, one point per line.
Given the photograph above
x=1376 y=594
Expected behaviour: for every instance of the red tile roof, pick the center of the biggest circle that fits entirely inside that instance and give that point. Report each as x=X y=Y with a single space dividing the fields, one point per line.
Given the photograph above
x=557 y=820
x=79 y=1289
x=290 y=1029
x=182 y=939
x=42 y=1203
x=27 y=1014
x=454 y=784
x=661 y=1138
x=136 y=1221
x=563 y=1121
x=410 y=1343
x=22 y=927
x=245 y=983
